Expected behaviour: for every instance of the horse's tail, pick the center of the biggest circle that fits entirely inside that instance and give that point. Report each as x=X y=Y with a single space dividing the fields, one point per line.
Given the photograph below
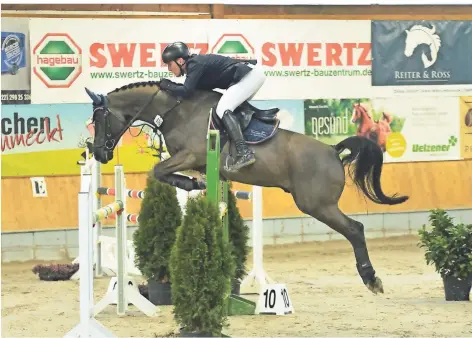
x=366 y=158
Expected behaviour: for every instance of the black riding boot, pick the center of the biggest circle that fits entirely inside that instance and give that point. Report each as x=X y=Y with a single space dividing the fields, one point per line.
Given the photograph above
x=245 y=156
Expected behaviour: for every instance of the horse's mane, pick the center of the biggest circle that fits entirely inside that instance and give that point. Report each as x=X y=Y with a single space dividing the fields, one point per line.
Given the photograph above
x=135 y=85
x=430 y=31
x=143 y=84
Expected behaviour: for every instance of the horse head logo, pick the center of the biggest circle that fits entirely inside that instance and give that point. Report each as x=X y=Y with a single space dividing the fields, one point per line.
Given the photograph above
x=418 y=35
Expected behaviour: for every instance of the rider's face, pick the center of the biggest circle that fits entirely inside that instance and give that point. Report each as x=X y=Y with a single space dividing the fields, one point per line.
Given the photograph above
x=174 y=68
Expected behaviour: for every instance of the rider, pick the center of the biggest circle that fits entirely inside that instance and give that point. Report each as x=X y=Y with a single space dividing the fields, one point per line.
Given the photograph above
x=241 y=79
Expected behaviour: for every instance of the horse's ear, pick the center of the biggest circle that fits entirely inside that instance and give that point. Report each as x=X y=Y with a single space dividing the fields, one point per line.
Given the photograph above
x=407 y=32
x=95 y=98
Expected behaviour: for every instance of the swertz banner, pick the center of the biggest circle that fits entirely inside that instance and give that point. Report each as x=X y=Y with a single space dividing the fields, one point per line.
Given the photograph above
x=422 y=53
x=300 y=58
x=407 y=130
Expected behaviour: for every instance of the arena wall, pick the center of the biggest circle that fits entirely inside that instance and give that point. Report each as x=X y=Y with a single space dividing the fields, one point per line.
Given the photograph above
x=439 y=184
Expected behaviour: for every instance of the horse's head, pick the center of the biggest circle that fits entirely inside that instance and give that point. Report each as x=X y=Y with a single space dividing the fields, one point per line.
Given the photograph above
x=108 y=127
x=418 y=35
x=114 y=114
x=410 y=43
x=359 y=113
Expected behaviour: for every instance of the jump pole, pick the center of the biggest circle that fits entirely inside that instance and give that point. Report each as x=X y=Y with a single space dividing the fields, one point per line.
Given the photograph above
x=257 y=277
x=217 y=193
x=122 y=289
x=100 y=241
x=88 y=326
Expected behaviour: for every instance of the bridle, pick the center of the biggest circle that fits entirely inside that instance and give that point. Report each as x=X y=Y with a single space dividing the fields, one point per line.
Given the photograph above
x=110 y=142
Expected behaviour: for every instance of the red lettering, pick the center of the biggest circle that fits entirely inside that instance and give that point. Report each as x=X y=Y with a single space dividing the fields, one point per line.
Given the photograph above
x=10 y=141
x=146 y=54
x=5 y=143
x=51 y=133
x=291 y=53
x=15 y=140
x=349 y=47
x=19 y=139
x=123 y=55
x=37 y=137
x=268 y=56
x=364 y=59
x=59 y=128
x=312 y=53
x=97 y=59
x=202 y=47
x=30 y=136
x=333 y=54
x=199 y=48
x=163 y=45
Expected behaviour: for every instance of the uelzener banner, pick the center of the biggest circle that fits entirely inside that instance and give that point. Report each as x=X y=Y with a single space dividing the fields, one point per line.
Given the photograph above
x=407 y=130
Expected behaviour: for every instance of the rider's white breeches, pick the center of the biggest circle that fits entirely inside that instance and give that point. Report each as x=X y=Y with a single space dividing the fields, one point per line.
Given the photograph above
x=241 y=91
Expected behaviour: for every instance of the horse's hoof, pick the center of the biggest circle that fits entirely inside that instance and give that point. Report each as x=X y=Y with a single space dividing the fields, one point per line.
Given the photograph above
x=375 y=285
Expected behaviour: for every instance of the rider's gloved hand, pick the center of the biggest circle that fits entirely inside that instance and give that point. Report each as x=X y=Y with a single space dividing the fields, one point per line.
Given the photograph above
x=165 y=84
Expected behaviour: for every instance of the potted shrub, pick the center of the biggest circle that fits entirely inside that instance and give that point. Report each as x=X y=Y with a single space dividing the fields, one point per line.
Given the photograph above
x=239 y=236
x=449 y=248
x=201 y=268
x=159 y=217
x=55 y=272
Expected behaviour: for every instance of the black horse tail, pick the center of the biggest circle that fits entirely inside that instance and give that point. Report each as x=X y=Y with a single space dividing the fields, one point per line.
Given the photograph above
x=366 y=160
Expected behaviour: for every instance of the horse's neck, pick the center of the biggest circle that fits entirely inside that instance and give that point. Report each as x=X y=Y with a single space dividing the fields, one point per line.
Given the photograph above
x=366 y=122
x=188 y=118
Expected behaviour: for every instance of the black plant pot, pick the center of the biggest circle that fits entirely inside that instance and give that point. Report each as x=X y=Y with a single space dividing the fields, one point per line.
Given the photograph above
x=195 y=334
x=184 y=333
x=457 y=290
x=235 y=287
x=159 y=293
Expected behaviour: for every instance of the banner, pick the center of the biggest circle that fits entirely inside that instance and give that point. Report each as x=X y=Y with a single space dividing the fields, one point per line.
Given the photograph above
x=16 y=67
x=102 y=54
x=44 y=140
x=329 y=58
x=422 y=56
x=290 y=113
x=466 y=126
x=407 y=129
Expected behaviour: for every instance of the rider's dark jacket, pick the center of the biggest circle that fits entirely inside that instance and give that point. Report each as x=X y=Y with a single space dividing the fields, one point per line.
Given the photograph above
x=208 y=72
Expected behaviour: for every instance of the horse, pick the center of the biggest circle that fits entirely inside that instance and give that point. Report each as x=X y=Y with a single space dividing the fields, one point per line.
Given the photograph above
x=418 y=35
x=311 y=171
x=377 y=131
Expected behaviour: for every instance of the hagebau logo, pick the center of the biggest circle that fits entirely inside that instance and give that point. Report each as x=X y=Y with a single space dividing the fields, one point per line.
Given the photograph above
x=418 y=35
x=57 y=60
x=235 y=46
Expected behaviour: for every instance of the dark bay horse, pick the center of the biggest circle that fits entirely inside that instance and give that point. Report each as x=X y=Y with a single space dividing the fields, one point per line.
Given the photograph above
x=311 y=171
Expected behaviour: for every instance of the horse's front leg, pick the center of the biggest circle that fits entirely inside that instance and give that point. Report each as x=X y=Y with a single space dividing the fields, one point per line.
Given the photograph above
x=181 y=161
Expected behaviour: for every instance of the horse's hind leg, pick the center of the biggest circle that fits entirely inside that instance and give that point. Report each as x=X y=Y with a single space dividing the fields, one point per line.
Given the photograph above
x=354 y=233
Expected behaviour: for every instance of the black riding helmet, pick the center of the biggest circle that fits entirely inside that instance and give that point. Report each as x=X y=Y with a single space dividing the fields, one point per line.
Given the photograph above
x=174 y=51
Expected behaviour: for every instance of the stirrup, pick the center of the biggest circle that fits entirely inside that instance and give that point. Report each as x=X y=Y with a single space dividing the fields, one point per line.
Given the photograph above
x=236 y=165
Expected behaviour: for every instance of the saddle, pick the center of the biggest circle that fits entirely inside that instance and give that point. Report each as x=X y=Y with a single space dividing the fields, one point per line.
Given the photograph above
x=244 y=113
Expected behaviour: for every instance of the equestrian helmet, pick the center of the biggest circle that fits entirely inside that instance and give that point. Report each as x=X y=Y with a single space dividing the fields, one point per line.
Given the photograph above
x=174 y=51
